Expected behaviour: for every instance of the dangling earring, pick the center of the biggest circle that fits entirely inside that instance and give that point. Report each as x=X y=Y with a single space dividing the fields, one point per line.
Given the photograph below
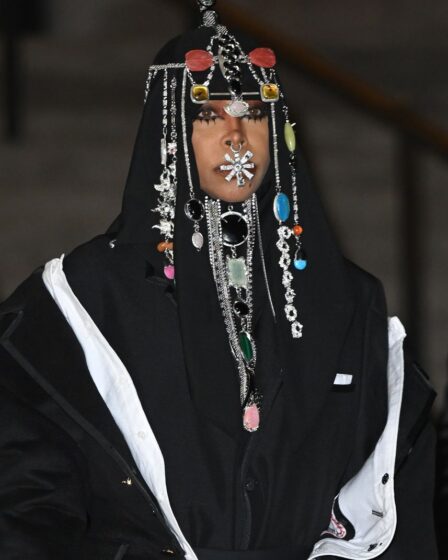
x=167 y=186
x=194 y=209
x=300 y=260
x=281 y=212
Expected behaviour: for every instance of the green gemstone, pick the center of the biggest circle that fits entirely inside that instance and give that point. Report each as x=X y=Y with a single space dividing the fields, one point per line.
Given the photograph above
x=246 y=346
x=237 y=272
x=290 y=137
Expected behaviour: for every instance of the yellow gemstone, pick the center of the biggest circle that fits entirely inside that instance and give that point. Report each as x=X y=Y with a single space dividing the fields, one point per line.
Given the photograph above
x=199 y=94
x=290 y=137
x=269 y=92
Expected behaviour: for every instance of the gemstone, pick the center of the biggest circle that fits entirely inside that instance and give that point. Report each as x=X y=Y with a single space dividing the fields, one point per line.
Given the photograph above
x=194 y=209
x=240 y=308
x=269 y=92
x=297 y=230
x=237 y=272
x=234 y=229
x=237 y=108
x=263 y=57
x=199 y=93
x=300 y=260
x=251 y=418
x=281 y=207
x=165 y=246
x=290 y=137
x=169 y=271
x=163 y=151
x=246 y=346
x=198 y=60
x=198 y=240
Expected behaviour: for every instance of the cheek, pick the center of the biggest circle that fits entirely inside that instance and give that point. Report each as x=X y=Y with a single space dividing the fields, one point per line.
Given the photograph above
x=261 y=147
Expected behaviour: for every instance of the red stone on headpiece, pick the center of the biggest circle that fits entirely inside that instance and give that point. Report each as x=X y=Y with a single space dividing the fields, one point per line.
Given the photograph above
x=263 y=57
x=198 y=60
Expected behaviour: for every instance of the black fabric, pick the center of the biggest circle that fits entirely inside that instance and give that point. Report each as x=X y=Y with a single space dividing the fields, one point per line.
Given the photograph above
x=62 y=494
x=230 y=490
x=203 y=396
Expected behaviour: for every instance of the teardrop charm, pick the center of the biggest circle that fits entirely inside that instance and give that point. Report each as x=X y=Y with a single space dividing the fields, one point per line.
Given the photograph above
x=198 y=240
x=168 y=270
x=251 y=418
x=300 y=260
x=290 y=137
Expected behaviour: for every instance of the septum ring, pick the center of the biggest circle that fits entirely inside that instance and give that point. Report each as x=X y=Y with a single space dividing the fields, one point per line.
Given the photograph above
x=236 y=150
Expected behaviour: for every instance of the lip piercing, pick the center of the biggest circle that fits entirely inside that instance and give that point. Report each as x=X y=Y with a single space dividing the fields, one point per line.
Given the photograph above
x=238 y=166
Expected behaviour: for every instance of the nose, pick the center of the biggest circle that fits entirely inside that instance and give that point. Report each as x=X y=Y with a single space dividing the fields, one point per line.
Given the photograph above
x=234 y=134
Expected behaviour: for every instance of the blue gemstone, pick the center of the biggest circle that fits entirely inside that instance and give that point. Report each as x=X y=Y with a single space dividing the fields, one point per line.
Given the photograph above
x=300 y=260
x=300 y=264
x=281 y=207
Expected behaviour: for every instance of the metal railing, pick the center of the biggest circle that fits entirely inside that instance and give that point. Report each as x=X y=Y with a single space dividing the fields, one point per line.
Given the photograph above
x=414 y=134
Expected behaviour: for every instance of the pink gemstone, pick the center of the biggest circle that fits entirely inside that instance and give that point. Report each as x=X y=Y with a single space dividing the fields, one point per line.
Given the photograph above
x=263 y=57
x=251 y=418
x=198 y=60
x=169 y=271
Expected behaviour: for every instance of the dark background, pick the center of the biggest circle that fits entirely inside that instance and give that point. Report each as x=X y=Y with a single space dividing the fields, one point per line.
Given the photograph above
x=73 y=74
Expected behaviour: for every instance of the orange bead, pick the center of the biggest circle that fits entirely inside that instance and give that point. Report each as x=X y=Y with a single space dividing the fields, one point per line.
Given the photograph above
x=297 y=230
x=164 y=246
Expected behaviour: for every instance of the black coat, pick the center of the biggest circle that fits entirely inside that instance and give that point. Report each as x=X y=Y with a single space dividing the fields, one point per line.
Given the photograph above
x=69 y=487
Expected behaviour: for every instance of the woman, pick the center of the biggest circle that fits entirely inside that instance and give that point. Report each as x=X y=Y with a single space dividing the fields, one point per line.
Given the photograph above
x=193 y=384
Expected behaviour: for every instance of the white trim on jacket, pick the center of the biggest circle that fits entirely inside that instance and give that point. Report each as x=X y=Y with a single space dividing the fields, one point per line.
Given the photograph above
x=367 y=500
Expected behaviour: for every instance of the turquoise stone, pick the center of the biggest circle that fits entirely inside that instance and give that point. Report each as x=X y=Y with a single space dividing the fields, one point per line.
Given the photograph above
x=246 y=346
x=300 y=264
x=281 y=207
x=300 y=260
x=290 y=137
x=236 y=269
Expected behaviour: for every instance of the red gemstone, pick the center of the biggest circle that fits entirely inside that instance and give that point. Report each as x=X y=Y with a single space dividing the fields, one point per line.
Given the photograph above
x=198 y=60
x=263 y=57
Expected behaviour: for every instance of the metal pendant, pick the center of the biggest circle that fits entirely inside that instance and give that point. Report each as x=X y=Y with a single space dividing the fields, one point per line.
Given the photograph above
x=238 y=166
x=234 y=229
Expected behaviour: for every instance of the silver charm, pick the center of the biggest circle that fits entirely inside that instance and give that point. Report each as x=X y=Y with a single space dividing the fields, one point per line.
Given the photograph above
x=167 y=185
x=284 y=233
x=238 y=166
x=237 y=108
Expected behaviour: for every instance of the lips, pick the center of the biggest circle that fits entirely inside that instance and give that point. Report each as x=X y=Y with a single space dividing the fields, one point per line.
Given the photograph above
x=221 y=172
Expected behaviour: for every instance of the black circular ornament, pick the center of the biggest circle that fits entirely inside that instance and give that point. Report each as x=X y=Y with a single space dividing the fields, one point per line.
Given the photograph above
x=194 y=209
x=234 y=229
x=240 y=308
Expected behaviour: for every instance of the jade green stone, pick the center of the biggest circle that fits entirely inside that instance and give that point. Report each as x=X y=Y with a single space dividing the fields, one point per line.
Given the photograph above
x=246 y=346
x=237 y=272
x=290 y=137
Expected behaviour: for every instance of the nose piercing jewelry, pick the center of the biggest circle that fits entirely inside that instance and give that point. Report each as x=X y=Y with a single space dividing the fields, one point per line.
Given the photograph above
x=238 y=166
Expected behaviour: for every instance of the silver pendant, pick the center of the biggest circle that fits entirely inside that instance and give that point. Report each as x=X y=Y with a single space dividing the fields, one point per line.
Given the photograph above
x=238 y=166
x=237 y=108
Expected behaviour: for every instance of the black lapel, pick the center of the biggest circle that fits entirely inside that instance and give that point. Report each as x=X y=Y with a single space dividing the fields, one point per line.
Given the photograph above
x=43 y=344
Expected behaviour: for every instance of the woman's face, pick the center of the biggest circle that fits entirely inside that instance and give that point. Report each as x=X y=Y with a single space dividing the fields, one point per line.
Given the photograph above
x=217 y=134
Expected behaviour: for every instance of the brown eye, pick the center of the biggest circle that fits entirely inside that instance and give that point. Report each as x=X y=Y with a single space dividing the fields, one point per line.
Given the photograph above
x=256 y=113
x=206 y=114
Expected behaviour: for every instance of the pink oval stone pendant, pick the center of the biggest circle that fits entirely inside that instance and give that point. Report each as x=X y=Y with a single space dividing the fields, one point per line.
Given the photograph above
x=169 y=271
x=251 y=418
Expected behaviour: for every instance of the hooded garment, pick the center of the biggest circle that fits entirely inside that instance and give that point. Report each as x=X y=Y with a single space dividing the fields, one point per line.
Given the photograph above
x=228 y=488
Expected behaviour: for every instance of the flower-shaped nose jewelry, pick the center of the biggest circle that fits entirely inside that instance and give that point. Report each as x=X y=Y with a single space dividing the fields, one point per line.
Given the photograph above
x=238 y=166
